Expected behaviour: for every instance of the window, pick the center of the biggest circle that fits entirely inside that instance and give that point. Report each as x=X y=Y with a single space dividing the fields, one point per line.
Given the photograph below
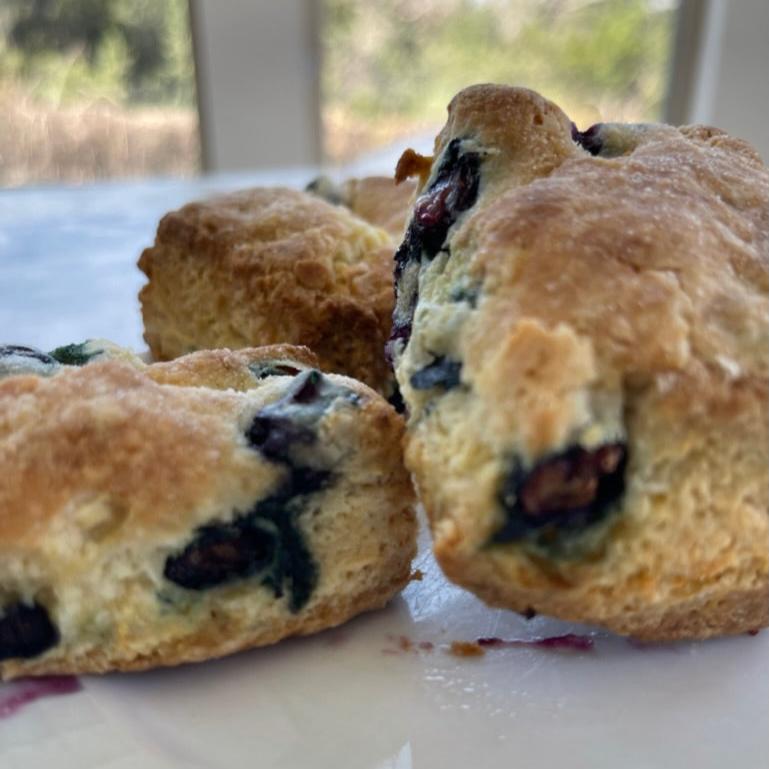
x=389 y=68
x=93 y=89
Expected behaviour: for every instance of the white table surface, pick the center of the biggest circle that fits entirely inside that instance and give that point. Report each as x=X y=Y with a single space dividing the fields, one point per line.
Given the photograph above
x=351 y=697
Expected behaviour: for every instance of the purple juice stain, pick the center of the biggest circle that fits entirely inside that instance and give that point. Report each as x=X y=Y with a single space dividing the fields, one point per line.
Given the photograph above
x=18 y=694
x=567 y=642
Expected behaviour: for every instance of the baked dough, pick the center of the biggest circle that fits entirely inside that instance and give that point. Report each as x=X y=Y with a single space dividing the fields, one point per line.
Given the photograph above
x=171 y=513
x=581 y=337
x=377 y=199
x=269 y=266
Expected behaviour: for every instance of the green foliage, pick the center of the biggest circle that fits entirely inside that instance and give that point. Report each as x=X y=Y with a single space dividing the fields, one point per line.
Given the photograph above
x=408 y=57
x=128 y=52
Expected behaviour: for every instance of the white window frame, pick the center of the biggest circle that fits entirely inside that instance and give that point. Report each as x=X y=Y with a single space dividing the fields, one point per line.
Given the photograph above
x=258 y=75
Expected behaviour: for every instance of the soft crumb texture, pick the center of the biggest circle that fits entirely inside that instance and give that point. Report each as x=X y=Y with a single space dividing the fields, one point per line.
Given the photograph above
x=581 y=336
x=171 y=513
x=269 y=266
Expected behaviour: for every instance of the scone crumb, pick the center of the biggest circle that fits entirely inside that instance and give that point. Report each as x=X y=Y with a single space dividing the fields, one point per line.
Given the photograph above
x=417 y=575
x=466 y=649
x=410 y=164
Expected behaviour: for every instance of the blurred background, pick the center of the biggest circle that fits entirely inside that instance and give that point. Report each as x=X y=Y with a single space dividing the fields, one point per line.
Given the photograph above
x=101 y=89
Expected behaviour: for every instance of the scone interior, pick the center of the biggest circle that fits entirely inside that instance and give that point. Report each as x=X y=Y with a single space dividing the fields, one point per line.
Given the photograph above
x=154 y=515
x=267 y=266
x=581 y=336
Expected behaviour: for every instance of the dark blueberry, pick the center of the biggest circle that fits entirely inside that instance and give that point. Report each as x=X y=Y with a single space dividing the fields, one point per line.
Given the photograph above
x=26 y=631
x=276 y=436
x=590 y=139
x=16 y=360
x=399 y=338
x=307 y=389
x=265 y=542
x=17 y=351
x=442 y=372
x=268 y=368
x=221 y=553
x=563 y=493
x=74 y=354
x=396 y=399
x=278 y=429
x=454 y=190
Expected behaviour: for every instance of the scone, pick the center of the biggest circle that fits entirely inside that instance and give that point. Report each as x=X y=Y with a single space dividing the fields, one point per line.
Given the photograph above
x=581 y=337
x=269 y=266
x=377 y=199
x=155 y=515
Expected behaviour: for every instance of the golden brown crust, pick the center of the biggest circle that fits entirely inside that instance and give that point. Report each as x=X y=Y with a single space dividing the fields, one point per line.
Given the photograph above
x=616 y=299
x=117 y=465
x=269 y=266
x=380 y=201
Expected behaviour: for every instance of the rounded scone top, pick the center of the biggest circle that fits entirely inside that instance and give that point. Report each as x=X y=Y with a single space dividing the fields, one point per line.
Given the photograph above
x=586 y=343
x=268 y=266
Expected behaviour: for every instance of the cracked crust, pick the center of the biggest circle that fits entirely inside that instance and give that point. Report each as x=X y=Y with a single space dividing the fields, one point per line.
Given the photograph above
x=611 y=298
x=118 y=464
x=270 y=266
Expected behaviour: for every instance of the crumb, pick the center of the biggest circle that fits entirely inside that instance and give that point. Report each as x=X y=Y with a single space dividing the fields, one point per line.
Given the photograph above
x=466 y=649
x=411 y=164
x=417 y=575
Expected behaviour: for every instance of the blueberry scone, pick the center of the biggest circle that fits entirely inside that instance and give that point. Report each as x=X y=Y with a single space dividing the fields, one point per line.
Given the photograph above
x=155 y=515
x=581 y=336
x=377 y=199
x=268 y=266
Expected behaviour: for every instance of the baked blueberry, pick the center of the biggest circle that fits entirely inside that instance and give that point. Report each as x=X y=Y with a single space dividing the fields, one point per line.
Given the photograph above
x=75 y=354
x=16 y=360
x=265 y=542
x=453 y=190
x=221 y=553
x=26 y=631
x=589 y=139
x=442 y=372
x=267 y=368
x=563 y=493
x=277 y=429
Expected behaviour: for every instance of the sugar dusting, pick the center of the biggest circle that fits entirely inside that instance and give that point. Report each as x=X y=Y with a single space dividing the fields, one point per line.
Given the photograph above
x=17 y=694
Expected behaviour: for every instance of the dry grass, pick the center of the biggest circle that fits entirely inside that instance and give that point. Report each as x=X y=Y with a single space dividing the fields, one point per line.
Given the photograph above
x=346 y=137
x=44 y=143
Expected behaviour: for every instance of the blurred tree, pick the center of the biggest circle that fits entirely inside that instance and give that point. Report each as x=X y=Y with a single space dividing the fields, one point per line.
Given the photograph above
x=137 y=51
x=406 y=58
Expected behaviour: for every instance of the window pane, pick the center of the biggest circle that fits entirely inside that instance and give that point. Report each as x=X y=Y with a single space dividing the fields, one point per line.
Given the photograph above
x=390 y=67
x=93 y=89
